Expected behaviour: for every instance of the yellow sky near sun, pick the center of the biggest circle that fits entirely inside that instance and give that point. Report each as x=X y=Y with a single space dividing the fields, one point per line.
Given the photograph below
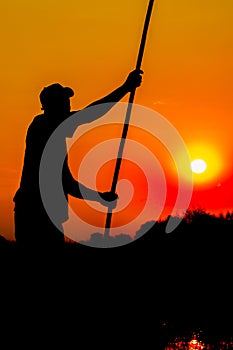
x=91 y=46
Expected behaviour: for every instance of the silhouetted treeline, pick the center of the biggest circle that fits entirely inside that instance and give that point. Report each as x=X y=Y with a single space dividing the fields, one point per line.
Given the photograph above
x=199 y=236
x=196 y=227
x=200 y=240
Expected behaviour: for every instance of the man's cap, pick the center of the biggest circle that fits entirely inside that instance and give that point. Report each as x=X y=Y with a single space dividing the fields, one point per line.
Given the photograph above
x=52 y=93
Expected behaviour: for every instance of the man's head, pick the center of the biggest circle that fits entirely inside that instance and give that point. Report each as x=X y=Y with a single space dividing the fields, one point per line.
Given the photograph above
x=56 y=98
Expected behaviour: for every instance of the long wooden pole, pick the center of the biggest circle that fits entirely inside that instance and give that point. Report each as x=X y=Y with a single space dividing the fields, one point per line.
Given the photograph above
x=128 y=114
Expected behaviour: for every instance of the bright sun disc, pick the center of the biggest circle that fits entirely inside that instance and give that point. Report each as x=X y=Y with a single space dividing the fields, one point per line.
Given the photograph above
x=198 y=166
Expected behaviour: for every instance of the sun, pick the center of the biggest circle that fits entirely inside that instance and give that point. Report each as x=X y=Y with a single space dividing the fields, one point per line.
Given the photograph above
x=205 y=163
x=198 y=166
x=204 y=166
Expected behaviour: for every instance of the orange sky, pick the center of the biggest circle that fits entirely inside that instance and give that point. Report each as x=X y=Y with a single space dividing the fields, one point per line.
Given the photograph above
x=91 y=46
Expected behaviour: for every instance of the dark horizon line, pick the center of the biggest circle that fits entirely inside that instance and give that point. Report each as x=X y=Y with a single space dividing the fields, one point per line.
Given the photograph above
x=188 y=218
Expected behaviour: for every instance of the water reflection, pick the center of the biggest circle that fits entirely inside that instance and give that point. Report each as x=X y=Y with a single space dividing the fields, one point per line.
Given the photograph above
x=196 y=340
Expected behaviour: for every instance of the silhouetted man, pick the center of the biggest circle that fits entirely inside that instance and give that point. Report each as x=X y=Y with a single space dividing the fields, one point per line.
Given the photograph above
x=33 y=226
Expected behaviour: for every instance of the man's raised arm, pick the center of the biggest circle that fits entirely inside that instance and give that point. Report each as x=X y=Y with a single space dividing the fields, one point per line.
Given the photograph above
x=133 y=81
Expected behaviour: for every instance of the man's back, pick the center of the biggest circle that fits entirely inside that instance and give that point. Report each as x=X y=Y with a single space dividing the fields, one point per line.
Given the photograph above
x=32 y=221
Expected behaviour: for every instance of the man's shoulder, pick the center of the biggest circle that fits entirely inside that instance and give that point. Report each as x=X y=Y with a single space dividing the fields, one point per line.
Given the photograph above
x=36 y=124
x=37 y=120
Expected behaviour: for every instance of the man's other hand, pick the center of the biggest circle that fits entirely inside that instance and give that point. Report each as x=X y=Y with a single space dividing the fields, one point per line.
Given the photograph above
x=108 y=199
